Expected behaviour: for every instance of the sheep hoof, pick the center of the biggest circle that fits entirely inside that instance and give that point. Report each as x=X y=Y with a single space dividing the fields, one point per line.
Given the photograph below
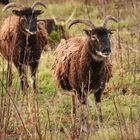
x=84 y=128
x=100 y=125
x=26 y=85
x=35 y=92
x=74 y=133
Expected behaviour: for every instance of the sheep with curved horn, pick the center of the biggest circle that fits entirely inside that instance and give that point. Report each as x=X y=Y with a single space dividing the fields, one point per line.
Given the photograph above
x=81 y=64
x=22 y=39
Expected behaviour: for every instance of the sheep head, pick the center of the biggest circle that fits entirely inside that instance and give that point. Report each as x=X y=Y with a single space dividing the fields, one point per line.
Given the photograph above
x=28 y=16
x=99 y=37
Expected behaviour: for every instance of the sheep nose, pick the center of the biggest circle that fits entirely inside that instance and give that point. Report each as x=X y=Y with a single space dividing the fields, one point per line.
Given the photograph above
x=106 y=50
x=33 y=27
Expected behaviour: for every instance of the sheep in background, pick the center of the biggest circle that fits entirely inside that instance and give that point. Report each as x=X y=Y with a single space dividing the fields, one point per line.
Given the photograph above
x=56 y=29
x=81 y=64
x=22 y=39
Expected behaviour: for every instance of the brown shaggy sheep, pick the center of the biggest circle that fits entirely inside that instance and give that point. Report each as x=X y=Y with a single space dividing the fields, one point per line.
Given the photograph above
x=81 y=64
x=22 y=39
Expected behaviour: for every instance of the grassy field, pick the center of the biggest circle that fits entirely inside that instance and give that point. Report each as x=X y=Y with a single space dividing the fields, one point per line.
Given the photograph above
x=47 y=116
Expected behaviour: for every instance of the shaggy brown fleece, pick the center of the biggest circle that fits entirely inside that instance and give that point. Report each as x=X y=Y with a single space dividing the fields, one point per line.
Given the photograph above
x=75 y=69
x=10 y=38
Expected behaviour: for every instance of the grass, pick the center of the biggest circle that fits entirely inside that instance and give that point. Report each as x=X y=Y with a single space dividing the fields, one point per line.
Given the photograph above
x=59 y=105
x=47 y=115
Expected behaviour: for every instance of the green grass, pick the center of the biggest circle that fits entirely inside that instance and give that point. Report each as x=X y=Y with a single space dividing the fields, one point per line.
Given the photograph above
x=59 y=105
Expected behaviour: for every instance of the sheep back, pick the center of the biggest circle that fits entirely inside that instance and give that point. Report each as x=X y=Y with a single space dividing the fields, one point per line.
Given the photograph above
x=42 y=34
x=8 y=35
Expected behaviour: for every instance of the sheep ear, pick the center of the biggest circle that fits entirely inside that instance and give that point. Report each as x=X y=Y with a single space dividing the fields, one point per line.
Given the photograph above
x=111 y=31
x=38 y=12
x=87 y=32
x=16 y=12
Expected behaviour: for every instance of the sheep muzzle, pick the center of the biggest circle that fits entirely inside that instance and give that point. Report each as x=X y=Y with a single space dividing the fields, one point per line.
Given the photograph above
x=102 y=54
x=28 y=26
x=33 y=27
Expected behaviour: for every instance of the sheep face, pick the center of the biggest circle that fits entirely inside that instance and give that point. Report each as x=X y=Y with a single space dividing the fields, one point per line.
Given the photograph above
x=100 y=42
x=98 y=37
x=28 y=20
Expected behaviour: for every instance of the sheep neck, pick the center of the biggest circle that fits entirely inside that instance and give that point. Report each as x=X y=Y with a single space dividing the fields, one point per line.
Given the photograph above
x=96 y=66
x=91 y=68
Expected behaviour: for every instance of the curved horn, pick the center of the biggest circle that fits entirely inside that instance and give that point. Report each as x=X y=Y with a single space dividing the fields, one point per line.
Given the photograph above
x=107 y=18
x=54 y=19
x=38 y=3
x=86 y=22
x=72 y=14
x=10 y=5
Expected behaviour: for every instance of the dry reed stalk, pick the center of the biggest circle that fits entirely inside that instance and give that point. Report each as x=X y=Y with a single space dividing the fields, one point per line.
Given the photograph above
x=118 y=118
x=49 y=123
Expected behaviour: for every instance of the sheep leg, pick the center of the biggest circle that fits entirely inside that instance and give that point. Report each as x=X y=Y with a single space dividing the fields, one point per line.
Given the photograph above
x=33 y=68
x=73 y=117
x=9 y=74
x=97 y=96
x=84 y=114
x=73 y=110
x=22 y=70
x=23 y=78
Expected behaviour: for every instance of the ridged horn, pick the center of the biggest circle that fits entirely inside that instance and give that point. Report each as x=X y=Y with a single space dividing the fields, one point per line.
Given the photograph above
x=37 y=3
x=86 y=22
x=69 y=19
x=11 y=5
x=107 y=18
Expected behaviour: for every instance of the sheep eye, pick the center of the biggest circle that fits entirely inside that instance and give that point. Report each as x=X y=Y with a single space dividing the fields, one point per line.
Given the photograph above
x=94 y=37
x=111 y=31
x=109 y=34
